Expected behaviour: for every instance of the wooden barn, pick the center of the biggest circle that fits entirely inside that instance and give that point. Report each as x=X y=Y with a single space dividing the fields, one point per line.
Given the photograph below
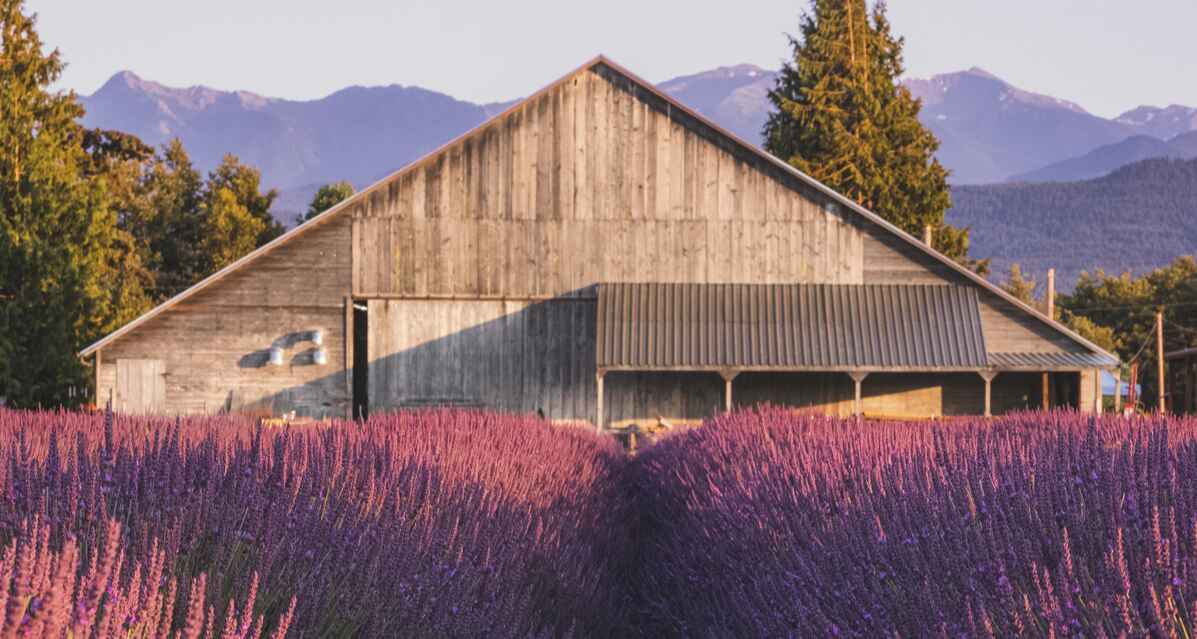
x=600 y=253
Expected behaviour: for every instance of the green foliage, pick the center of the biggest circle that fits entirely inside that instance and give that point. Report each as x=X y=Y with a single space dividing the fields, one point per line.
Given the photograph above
x=231 y=230
x=65 y=277
x=843 y=118
x=95 y=227
x=169 y=218
x=1020 y=286
x=244 y=183
x=1103 y=336
x=1119 y=311
x=326 y=197
x=188 y=227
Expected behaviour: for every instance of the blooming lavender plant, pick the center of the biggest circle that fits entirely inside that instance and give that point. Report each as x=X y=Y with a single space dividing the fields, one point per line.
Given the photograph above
x=437 y=524
x=52 y=594
x=767 y=524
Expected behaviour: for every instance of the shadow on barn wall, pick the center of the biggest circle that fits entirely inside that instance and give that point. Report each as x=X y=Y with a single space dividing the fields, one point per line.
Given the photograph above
x=520 y=357
x=539 y=358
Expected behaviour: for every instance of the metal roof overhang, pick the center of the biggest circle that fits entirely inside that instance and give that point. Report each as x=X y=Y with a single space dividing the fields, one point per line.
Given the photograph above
x=1035 y=362
x=789 y=327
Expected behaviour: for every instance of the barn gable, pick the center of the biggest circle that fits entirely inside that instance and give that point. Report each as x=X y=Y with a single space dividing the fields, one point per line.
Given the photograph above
x=596 y=178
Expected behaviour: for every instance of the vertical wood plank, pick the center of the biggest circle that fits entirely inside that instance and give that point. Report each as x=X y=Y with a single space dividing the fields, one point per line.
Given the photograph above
x=565 y=97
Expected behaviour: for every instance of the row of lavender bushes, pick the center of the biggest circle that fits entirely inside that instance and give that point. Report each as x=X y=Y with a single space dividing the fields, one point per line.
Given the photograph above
x=463 y=524
x=767 y=524
x=437 y=524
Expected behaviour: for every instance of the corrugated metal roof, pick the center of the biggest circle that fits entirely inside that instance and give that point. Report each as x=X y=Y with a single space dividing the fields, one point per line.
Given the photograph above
x=789 y=326
x=1045 y=361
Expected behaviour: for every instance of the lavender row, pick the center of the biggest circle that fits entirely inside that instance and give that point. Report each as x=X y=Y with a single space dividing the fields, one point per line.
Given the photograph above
x=439 y=524
x=764 y=523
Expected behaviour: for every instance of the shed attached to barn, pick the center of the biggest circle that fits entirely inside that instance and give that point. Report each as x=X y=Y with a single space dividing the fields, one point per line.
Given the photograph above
x=597 y=252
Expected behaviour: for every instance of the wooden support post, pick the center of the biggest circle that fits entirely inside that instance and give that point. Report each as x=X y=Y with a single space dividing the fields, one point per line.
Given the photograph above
x=1047 y=391
x=1159 y=355
x=598 y=406
x=99 y=355
x=1118 y=390
x=728 y=376
x=349 y=356
x=857 y=378
x=988 y=377
x=1051 y=293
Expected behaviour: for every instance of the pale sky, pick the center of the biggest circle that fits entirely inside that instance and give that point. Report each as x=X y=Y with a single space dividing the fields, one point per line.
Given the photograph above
x=1107 y=56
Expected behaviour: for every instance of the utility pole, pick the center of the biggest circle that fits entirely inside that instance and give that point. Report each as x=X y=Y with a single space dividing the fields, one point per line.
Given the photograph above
x=1050 y=303
x=1051 y=293
x=1159 y=354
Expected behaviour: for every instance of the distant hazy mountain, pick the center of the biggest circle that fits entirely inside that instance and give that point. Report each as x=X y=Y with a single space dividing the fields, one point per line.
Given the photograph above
x=1162 y=123
x=357 y=134
x=1102 y=160
x=1139 y=217
x=737 y=98
x=990 y=130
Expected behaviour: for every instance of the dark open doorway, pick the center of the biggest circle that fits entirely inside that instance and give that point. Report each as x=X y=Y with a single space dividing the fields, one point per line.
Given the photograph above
x=361 y=360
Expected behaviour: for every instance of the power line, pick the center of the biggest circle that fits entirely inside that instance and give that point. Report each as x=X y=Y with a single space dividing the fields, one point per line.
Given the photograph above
x=1130 y=306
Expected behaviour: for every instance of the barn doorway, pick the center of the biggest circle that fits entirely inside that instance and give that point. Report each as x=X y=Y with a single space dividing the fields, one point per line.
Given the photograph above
x=361 y=360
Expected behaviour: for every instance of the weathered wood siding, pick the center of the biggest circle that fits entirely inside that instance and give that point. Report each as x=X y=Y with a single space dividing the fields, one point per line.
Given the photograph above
x=214 y=346
x=588 y=183
x=140 y=386
x=889 y=260
x=513 y=356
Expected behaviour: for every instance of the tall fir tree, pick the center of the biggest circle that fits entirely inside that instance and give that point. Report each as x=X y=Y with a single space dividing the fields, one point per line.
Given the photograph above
x=172 y=220
x=64 y=275
x=842 y=117
x=243 y=182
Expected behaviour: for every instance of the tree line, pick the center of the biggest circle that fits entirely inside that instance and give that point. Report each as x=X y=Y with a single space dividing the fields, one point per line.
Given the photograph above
x=96 y=227
x=1117 y=312
x=1139 y=217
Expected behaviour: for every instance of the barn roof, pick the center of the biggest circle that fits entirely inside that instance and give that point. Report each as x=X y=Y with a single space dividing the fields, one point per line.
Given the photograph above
x=789 y=327
x=598 y=63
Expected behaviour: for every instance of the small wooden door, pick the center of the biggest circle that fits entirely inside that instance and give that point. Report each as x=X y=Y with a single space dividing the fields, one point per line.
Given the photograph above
x=140 y=386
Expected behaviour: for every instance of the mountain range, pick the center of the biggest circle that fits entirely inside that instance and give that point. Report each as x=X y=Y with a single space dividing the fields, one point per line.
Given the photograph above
x=1105 y=159
x=990 y=131
x=1139 y=217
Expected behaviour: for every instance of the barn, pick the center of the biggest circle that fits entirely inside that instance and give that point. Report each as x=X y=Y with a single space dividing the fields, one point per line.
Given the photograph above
x=597 y=253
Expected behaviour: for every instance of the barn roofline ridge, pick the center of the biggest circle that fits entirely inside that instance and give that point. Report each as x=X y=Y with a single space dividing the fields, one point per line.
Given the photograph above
x=674 y=104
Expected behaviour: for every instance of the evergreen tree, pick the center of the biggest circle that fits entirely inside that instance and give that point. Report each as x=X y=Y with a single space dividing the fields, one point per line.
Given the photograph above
x=244 y=183
x=64 y=278
x=231 y=229
x=325 y=198
x=171 y=220
x=1020 y=286
x=842 y=117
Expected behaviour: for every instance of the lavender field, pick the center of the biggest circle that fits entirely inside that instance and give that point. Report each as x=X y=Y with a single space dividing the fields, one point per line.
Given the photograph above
x=760 y=523
x=1040 y=525
x=441 y=524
